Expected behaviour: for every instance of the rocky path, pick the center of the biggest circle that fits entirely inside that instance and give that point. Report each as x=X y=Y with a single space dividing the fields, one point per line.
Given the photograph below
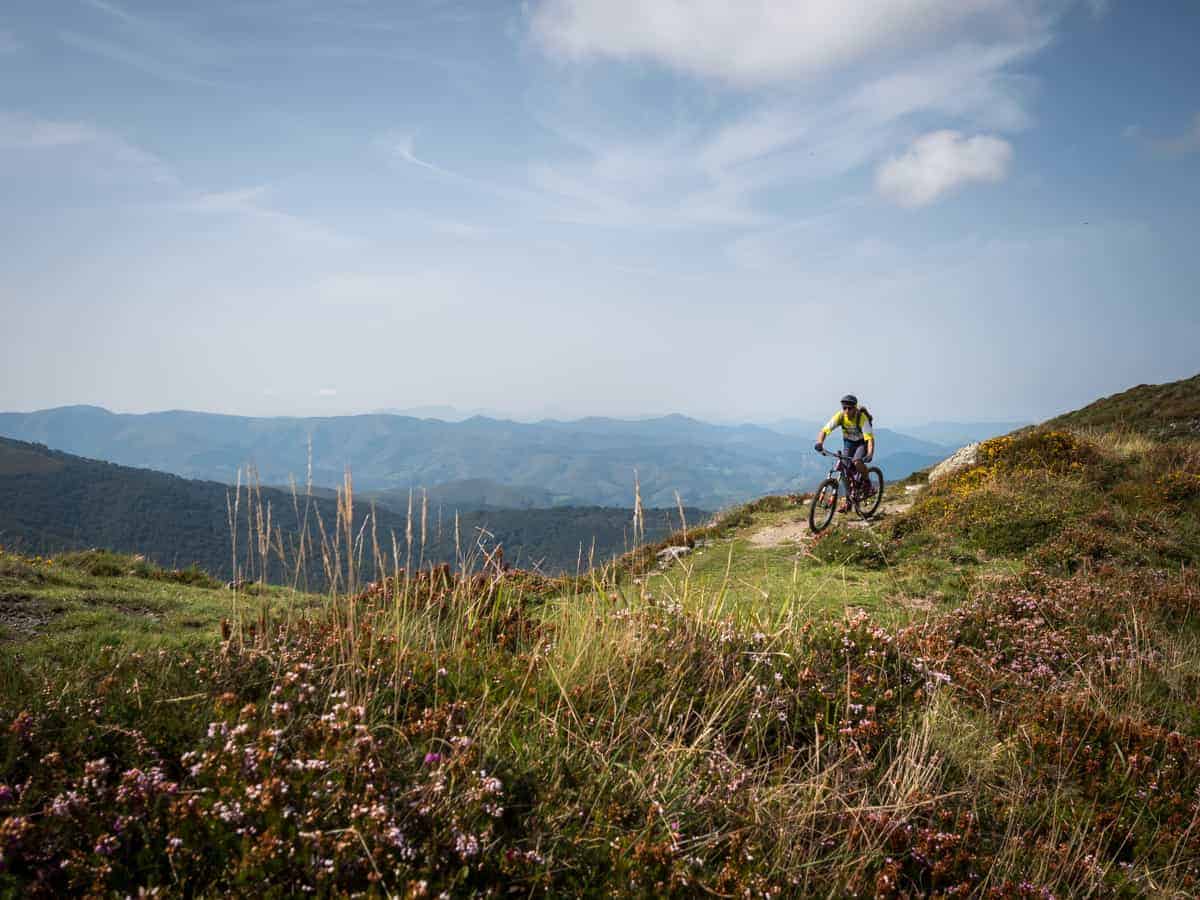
x=797 y=531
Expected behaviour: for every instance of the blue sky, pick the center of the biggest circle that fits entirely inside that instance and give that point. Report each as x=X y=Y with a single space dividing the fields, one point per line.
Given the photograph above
x=963 y=209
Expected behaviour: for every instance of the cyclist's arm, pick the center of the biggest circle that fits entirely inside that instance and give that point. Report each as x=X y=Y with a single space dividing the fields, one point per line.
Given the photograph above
x=830 y=426
x=870 y=439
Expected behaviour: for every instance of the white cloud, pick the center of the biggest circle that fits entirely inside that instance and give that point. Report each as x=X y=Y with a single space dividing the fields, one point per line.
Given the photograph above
x=715 y=173
x=327 y=392
x=8 y=43
x=403 y=145
x=939 y=162
x=815 y=116
x=753 y=42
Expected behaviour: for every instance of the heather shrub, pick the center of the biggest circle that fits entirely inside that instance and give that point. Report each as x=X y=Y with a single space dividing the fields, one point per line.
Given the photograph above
x=850 y=546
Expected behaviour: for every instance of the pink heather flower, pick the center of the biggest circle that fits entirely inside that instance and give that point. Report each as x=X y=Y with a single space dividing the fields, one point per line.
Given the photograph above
x=467 y=845
x=432 y=759
x=61 y=805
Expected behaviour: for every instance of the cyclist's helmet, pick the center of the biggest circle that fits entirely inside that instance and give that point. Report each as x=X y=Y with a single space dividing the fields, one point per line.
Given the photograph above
x=851 y=399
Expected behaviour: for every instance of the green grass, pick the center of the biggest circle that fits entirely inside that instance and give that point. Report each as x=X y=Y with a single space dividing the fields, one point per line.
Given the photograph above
x=58 y=611
x=767 y=584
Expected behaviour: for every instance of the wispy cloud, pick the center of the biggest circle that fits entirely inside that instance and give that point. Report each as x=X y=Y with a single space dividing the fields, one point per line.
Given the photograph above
x=8 y=43
x=117 y=12
x=167 y=51
x=104 y=152
x=133 y=58
x=402 y=145
x=939 y=163
x=252 y=203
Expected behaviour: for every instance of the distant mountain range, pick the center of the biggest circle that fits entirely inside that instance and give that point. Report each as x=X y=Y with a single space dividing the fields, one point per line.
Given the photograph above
x=52 y=501
x=475 y=463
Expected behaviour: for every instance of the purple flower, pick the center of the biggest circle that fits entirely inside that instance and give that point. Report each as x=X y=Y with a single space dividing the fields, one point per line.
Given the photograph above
x=432 y=759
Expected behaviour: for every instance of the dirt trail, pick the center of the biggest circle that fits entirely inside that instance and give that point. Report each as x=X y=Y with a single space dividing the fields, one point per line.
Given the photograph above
x=797 y=532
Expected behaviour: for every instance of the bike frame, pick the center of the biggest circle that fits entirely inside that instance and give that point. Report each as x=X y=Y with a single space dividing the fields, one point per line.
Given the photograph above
x=844 y=470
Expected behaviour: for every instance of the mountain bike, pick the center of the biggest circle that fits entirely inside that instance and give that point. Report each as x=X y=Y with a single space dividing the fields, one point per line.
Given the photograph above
x=864 y=493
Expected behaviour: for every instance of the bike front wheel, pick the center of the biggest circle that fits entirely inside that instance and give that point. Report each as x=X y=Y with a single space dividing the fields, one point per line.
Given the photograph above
x=867 y=506
x=824 y=504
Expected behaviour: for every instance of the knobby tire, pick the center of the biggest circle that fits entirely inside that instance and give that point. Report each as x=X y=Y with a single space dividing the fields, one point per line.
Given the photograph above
x=867 y=507
x=819 y=516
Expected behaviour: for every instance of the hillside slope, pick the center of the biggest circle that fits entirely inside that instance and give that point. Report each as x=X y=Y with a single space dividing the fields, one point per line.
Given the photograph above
x=991 y=691
x=1169 y=410
x=51 y=501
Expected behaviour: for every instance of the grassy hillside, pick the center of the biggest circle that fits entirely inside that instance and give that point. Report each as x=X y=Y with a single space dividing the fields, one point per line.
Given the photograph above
x=990 y=691
x=1154 y=410
x=51 y=501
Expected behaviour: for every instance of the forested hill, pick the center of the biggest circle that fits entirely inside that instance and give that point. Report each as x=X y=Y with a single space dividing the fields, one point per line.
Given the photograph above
x=51 y=501
x=583 y=462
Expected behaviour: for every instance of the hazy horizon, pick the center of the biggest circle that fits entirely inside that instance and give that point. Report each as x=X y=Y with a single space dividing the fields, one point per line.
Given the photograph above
x=560 y=208
x=454 y=415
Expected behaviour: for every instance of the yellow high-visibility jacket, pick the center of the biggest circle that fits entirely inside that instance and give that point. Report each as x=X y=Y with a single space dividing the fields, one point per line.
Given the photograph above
x=854 y=428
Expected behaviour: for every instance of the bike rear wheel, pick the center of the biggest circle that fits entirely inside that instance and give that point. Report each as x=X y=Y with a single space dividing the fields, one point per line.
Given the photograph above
x=824 y=504
x=867 y=506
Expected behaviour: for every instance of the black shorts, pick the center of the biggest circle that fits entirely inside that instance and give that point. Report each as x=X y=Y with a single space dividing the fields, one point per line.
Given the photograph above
x=855 y=449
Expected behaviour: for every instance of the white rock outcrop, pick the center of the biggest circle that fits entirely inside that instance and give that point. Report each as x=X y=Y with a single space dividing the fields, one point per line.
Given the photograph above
x=963 y=458
x=666 y=554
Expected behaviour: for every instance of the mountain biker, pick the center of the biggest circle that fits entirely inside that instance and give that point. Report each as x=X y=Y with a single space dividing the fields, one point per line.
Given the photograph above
x=857 y=438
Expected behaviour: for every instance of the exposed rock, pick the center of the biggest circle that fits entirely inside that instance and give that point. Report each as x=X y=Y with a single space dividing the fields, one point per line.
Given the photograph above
x=775 y=535
x=962 y=459
x=669 y=553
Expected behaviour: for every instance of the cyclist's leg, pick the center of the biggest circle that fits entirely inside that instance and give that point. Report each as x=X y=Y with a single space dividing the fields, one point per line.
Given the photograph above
x=860 y=465
x=860 y=456
x=856 y=450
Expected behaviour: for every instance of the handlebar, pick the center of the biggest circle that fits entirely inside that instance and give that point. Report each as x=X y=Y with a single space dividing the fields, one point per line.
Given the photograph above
x=835 y=454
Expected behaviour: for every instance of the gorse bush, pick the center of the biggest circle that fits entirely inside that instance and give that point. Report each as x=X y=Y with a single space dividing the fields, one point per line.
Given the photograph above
x=1073 y=499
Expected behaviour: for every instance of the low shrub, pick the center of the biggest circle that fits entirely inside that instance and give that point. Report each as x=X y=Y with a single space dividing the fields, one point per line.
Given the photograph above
x=106 y=564
x=850 y=546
